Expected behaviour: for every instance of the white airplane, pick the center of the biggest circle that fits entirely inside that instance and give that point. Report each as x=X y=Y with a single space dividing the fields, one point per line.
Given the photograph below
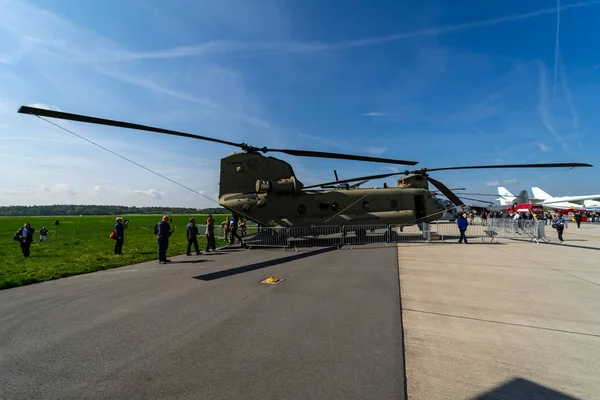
x=565 y=202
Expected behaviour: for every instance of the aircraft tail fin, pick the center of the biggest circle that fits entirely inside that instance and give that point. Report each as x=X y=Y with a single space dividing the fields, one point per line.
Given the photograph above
x=540 y=194
x=523 y=197
x=506 y=197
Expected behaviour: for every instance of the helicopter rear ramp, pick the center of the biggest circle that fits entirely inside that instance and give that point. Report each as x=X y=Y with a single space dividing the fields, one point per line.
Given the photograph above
x=204 y=327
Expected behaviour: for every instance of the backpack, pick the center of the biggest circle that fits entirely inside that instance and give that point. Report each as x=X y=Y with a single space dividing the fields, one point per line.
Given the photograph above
x=156 y=229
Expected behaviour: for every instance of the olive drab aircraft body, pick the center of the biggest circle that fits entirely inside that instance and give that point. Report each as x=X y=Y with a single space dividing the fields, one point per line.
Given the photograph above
x=266 y=190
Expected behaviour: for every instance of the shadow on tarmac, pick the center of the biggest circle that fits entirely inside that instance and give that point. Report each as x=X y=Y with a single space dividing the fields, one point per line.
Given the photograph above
x=519 y=388
x=262 y=264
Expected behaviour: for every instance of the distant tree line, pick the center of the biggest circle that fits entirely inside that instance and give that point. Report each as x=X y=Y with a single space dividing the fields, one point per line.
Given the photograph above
x=72 y=209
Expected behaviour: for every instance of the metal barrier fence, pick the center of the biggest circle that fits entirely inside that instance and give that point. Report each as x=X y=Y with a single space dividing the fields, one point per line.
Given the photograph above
x=349 y=235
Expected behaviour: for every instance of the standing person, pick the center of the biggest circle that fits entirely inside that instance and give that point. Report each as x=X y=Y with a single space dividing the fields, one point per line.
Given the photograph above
x=191 y=230
x=484 y=217
x=559 y=223
x=164 y=231
x=462 y=227
x=25 y=238
x=210 y=234
x=226 y=227
x=120 y=233
x=43 y=234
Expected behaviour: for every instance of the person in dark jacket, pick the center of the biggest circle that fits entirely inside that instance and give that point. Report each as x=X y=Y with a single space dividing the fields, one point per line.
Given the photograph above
x=25 y=238
x=120 y=233
x=559 y=223
x=462 y=227
x=164 y=232
x=191 y=230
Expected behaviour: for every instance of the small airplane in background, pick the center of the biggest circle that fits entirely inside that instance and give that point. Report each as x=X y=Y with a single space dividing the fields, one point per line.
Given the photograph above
x=566 y=202
x=580 y=203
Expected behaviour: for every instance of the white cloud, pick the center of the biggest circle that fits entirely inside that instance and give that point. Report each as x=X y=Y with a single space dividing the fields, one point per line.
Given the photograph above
x=98 y=189
x=155 y=194
x=509 y=181
x=492 y=183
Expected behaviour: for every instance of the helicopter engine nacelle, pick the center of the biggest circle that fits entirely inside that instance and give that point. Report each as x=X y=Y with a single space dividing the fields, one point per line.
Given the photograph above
x=281 y=186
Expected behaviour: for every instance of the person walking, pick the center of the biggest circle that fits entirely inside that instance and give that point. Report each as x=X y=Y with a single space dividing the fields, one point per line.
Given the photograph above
x=578 y=218
x=210 y=234
x=226 y=227
x=43 y=234
x=120 y=234
x=163 y=232
x=25 y=238
x=559 y=223
x=462 y=227
x=191 y=230
x=234 y=227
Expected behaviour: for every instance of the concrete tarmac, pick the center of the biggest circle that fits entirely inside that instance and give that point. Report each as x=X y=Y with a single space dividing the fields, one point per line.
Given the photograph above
x=514 y=320
x=203 y=327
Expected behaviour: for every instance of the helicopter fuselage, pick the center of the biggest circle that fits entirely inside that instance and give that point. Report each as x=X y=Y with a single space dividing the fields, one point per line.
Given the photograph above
x=376 y=206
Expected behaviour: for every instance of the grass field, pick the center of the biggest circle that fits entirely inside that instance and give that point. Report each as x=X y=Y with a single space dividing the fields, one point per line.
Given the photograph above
x=82 y=245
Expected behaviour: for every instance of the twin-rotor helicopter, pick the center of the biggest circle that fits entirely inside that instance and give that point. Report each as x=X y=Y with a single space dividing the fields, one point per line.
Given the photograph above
x=266 y=190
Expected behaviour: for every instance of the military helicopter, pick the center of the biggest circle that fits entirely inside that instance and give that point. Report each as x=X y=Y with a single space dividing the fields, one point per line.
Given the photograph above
x=266 y=190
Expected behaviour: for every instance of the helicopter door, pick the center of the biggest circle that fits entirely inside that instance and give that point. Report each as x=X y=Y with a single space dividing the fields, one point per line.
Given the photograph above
x=420 y=207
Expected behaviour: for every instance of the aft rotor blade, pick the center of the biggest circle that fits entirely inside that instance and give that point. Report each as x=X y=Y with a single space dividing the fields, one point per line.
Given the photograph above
x=447 y=192
x=362 y=178
x=341 y=156
x=42 y=112
x=550 y=165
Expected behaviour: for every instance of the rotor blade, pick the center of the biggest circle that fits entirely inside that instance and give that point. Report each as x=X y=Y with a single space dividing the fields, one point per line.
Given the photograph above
x=362 y=178
x=336 y=175
x=551 y=165
x=359 y=183
x=42 y=112
x=479 y=200
x=447 y=192
x=321 y=154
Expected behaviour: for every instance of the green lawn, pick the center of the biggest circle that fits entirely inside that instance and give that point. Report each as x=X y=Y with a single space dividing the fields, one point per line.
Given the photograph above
x=82 y=245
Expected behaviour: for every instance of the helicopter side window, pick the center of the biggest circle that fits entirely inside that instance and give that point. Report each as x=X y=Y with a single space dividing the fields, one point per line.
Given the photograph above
x=301 y=209
x=366 y=205
x=394 y=204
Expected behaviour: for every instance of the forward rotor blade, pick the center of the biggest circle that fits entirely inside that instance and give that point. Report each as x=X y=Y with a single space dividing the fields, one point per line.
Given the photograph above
x=447 y=192
x=109 y=122
x=362 y=178
x=551 y=165
x=321 y=154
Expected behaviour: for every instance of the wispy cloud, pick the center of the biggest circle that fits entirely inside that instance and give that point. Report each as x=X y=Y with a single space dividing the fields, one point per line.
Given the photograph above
x=492 y=183
x=228 y=46
x=543 y=147
x=98 y=189
x=545 y=115
x=509 y=182
x=59 y=188
x=155 y=194
x=375 y=114
x=556 y=46
x=376 y=151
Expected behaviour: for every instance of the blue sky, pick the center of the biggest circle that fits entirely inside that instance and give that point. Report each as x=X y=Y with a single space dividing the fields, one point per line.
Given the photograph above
x=431 y=81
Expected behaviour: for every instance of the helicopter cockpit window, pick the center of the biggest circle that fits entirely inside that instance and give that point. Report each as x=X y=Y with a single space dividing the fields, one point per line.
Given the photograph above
x=301 y=209
x=366 y=205
x=335 y=207
x=394 y=204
